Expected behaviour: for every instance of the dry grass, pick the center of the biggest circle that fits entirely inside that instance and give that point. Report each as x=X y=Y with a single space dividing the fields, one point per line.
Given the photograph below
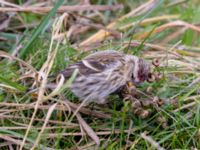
x=54 y=118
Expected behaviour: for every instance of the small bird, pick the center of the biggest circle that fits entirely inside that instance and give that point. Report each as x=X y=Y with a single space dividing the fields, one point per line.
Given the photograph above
x=103 y=73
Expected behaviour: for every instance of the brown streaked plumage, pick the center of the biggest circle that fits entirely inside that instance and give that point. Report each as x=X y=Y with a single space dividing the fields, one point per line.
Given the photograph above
x=103 y=73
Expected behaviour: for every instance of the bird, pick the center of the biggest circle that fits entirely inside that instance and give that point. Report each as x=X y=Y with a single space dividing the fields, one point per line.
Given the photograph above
x=104 y=72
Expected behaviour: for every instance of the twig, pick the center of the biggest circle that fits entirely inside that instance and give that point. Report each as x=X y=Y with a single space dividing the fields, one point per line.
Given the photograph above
x=151 y=20
x=116 y=131
x=101 y=34
x=177 y=23
x=151 y=141
x=5 y=21
x=51 y=109
x=75 y=8
x=43 y=74
x=9 y=4
x=12 y=140
x=194 y=82
x=99 y=26
x=38 y=128
x=21 y=107
x=7 y=55
x=67 y=124
x=187 y=106
x=88 y=129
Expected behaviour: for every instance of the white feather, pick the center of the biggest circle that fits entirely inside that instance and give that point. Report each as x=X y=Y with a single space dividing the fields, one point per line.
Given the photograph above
x=87 y=64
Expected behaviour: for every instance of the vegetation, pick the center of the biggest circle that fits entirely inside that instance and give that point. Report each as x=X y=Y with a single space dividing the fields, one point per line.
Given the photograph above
x=39 y=39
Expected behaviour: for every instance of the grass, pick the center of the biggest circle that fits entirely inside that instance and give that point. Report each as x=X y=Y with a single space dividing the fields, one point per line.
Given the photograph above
x=54 y=120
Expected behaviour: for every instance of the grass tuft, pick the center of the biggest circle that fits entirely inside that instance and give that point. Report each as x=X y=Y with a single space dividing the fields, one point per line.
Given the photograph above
x=38 y=44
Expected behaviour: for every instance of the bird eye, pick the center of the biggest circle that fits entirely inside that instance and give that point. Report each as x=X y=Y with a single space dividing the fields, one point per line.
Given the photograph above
x=132 y=76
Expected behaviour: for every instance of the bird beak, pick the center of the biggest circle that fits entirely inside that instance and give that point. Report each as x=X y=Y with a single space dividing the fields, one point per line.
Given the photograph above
x=130 y=84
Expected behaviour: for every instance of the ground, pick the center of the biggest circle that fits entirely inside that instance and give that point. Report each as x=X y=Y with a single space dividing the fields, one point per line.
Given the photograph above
x=38 y=42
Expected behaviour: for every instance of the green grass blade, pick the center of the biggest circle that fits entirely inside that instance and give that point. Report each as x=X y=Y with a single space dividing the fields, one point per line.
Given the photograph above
x=12 y=84
x=39 y=29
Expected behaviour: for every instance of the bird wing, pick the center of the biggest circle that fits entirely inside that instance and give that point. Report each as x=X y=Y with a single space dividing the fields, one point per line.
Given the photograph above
x=94 y=63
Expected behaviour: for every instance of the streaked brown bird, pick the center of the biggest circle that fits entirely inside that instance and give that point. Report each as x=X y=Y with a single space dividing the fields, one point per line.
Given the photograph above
x=102 y=73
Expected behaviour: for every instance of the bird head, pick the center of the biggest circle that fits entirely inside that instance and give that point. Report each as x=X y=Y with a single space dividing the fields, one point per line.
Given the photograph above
x=141 y=71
